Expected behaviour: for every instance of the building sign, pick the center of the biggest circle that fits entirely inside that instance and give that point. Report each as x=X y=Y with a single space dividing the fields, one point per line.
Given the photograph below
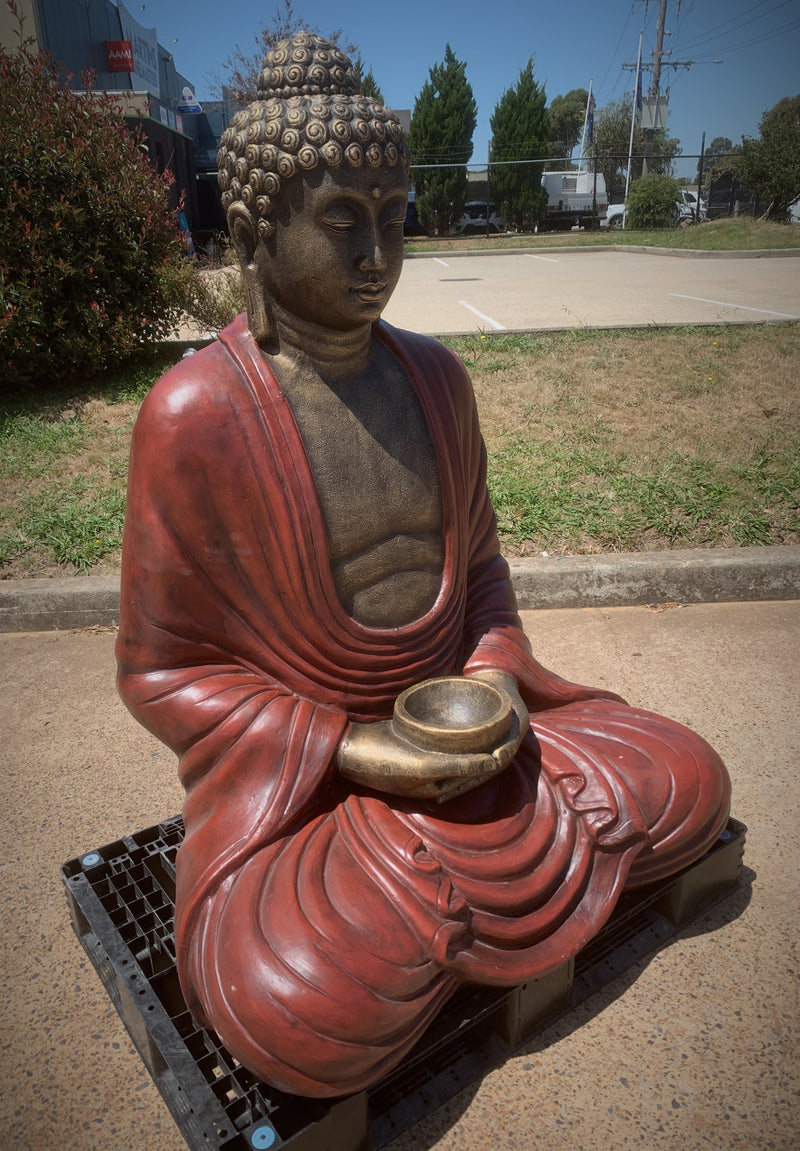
x=145 y=52
x=188 y=104
x=119 y=56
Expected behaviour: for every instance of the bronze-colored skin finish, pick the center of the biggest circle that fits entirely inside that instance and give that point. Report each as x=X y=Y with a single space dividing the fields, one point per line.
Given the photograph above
x=314 y=288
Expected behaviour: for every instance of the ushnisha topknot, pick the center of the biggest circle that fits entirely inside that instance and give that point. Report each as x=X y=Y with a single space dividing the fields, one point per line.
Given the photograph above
x=309 y=113
x=305 y=65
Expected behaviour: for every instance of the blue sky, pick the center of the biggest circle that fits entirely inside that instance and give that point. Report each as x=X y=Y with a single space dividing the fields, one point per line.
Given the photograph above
x=758 y=42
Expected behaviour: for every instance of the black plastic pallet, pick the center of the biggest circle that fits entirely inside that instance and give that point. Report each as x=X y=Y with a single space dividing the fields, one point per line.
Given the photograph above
x=122 y=900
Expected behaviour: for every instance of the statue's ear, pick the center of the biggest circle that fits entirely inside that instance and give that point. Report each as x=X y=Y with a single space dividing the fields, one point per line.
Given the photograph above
x=244 y=236
x=245 y=240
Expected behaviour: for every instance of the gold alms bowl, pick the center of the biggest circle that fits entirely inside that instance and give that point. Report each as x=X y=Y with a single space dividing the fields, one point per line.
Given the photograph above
x=453 y=714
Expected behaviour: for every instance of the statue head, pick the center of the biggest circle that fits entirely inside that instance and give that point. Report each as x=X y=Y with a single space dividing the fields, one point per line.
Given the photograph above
x=309 y=133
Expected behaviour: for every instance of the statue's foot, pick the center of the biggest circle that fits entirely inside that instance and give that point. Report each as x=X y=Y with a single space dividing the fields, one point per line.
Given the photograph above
x=683 y=791
x=677 y=782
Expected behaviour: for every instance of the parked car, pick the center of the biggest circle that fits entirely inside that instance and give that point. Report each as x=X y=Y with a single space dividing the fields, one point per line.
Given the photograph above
x=474 y=220
x=689 y=208
x=685 y=209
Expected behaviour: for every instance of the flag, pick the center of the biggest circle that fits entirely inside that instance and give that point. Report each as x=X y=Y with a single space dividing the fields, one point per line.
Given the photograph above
x=590 y=120
x=639 y=90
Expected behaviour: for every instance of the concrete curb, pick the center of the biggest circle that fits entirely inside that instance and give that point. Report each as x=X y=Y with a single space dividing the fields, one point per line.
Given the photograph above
x=607 y=580
x=699 y=254
x=634 y=249
x=58 y=604
x=694 y=576
x=524 y=251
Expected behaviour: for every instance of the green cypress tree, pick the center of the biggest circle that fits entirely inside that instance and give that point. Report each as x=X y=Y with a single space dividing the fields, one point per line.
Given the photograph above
x=520 y=131
x=366 y=80
x=442 y=124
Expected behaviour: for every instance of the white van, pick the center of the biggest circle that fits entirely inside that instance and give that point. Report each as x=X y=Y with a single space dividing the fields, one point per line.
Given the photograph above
x=574 y=199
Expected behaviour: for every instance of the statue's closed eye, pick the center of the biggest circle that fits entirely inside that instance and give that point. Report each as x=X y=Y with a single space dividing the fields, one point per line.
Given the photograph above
x=340 y=219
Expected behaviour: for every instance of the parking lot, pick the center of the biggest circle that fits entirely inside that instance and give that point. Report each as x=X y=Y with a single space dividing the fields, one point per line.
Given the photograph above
x=570 y=288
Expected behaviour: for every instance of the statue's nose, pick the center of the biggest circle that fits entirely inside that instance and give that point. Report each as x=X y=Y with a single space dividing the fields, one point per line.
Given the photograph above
x=373 y=259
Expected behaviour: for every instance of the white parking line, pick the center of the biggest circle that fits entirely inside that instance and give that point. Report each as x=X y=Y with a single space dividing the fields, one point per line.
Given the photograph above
x=493 y=323
x=549 y=259
x=442 y=262
x=727 y=304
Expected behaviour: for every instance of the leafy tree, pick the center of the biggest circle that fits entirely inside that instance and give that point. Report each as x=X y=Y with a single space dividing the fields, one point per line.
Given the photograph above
x=651 y=202
x=770 y=165
x=612 y=130
x=567 y=114
x=91 y=263
x=242 y=68
x=715 y=156
x=442 y=124
x=720 y=146
x=520 y=129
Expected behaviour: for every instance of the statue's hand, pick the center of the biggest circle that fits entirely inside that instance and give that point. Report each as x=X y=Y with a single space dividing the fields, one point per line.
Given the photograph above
x=373 y=755
x=520 y=724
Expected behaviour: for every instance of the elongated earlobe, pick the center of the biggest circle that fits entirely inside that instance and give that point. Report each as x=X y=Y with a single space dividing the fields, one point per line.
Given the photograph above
x=259 y=312
x=246 y=242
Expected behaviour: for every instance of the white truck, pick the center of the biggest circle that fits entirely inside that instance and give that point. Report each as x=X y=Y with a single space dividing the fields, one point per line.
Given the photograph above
x=575 y=199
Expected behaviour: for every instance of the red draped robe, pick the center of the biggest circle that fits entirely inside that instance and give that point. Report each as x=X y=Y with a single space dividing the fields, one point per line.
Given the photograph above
x=320 y=926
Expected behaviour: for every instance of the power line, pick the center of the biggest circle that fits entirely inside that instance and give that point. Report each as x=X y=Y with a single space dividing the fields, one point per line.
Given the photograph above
x=723 y=30
x=791 y=26
x=616 y=50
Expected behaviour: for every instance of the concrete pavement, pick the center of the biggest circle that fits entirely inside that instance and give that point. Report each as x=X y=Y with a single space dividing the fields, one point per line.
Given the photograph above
x=559 y=289
x=554 y=289
x=694 y=1048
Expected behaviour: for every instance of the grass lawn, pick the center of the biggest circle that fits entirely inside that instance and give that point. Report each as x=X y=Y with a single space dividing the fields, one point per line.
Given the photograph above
x=641 y=439
x=620 y=440
x=725 y=235
x=63 y=469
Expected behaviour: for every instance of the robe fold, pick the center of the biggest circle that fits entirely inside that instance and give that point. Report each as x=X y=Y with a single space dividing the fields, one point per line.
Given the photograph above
x=320 y=926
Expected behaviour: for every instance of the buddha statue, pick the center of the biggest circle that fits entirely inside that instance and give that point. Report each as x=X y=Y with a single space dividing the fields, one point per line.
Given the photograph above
x=308 y=537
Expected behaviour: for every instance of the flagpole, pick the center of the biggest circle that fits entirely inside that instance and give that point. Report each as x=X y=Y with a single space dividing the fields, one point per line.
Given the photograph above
x=636 y=99
x=585 y=122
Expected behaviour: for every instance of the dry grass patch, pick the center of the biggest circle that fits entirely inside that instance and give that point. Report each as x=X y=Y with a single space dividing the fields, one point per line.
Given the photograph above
x=710 y=390
x=641 y=439
x=597 y=440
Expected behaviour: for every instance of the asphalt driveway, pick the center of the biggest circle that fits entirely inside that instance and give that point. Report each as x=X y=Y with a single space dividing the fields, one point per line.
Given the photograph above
x=556 y=289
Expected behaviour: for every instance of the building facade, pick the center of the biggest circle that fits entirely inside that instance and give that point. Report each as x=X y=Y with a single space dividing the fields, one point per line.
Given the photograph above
x=126 y=59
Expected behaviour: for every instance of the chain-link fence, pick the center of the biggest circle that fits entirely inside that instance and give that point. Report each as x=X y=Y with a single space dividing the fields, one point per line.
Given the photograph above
x=581 y=194
x=710 y=176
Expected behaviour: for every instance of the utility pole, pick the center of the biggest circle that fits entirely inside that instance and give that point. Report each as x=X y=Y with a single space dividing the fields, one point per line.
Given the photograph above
x=655 y=78
x=655 y=86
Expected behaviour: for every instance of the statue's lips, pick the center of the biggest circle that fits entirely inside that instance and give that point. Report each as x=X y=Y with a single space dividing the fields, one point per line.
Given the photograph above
x=369 y=292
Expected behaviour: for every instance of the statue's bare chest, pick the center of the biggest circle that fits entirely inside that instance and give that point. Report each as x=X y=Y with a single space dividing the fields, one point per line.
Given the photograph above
x=376 y=474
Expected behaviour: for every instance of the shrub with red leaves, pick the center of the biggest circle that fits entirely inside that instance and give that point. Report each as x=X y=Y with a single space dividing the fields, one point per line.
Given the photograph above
x=91 y=262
